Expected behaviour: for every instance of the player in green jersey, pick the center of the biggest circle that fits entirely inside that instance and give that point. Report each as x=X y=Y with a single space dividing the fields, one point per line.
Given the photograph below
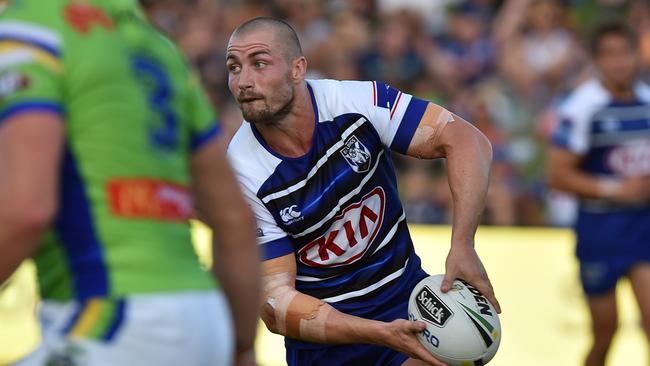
x=106 y=144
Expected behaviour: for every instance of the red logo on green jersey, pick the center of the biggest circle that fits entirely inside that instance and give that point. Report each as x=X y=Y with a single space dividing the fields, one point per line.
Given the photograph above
x=82 y=16
x=142 y=198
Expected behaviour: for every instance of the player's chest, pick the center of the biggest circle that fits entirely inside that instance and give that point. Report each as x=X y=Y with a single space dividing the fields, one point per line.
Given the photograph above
x=307 y=197
x=620 y=140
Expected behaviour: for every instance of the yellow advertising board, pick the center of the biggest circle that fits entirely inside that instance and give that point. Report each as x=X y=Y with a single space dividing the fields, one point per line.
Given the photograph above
x=544 y=320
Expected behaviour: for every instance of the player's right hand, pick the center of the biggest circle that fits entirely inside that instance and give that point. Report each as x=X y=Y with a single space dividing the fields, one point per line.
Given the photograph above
x=403 y=338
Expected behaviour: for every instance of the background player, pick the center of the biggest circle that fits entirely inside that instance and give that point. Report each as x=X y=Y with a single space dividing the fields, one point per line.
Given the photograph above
x=314 y=163
x=102 y=134
x=602 y=154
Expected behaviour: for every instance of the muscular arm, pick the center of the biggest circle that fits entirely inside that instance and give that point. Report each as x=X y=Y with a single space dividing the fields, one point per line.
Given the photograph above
x=235 y=252
x=31 y=146
x=469 y=156
x=300 y=316
x=296 y=315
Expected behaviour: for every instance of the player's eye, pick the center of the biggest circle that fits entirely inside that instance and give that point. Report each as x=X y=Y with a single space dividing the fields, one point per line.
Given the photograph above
x=234 y=68
x=260 y=64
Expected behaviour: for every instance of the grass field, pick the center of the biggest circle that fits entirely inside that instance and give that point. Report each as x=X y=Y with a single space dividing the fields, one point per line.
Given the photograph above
x=544 y=320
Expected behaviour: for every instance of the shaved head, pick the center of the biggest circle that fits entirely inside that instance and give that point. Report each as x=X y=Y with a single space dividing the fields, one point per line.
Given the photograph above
x=284 y=34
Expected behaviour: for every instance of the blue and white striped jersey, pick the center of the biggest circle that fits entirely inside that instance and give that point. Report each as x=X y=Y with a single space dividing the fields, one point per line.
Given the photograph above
x=614 y=140
x=613 y=137
x=337 y=207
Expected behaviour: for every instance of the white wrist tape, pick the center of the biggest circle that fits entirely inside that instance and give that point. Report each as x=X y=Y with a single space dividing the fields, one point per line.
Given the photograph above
x=609 y=187
x=296 y=315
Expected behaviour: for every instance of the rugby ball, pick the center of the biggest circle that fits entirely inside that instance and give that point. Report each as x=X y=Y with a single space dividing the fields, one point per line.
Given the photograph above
x=463 y=329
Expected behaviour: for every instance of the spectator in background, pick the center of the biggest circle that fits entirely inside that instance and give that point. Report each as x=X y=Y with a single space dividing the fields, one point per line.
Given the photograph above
x=465 y=51
x=638 y=16
x=601 y=153
x=393 y=58
x=440 y=50
x=336 y=57
x=538 y=52
x=308 y=17
x=427 y=198
x=432 y=13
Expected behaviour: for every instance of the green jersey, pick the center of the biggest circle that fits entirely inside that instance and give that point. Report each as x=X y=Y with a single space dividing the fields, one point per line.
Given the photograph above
x=133 y=116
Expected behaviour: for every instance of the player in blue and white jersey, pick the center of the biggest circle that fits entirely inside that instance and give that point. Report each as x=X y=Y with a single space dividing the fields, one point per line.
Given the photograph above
x=313 y=158
x=601 y=153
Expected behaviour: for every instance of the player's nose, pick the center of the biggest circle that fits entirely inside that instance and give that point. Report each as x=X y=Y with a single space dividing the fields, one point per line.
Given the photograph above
x=245 y=79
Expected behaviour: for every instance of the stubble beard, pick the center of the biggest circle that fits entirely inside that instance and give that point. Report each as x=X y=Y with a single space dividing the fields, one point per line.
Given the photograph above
x=265 y=116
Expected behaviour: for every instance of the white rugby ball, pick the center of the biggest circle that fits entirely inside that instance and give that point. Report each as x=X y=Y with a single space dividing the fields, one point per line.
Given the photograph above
x=463 y=329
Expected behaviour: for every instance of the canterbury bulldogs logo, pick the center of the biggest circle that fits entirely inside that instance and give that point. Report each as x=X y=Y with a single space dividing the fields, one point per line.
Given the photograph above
x=356 y=154
x=290 y=214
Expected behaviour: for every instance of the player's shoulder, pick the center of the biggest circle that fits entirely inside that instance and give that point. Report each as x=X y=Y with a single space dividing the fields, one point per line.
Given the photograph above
x=251 y=161
x=241 y=140
x=164 y=46
x=34 y=22
x=586 y=98
x=345 y=86
x=642 y=91
x=35 y=10
x=340 y=89
x=336 y=97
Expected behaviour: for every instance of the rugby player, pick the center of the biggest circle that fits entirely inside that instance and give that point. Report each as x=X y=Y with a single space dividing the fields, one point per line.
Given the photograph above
x=106 y=141
x=313 y=158
x=601 y=153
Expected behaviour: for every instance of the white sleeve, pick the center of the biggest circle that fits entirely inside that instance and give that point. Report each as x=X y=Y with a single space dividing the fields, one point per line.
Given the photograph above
x=273 y=241
x=394 y=114
x=572 y=130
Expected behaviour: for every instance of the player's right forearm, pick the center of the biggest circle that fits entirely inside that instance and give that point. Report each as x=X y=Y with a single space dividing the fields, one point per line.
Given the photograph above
x=580 y=184
x=299 y=316
x=563 y=173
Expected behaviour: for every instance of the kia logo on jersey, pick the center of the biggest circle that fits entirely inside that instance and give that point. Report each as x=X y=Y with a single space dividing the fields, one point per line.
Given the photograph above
x=630 y=159
x=356 y=154
x=349 y=236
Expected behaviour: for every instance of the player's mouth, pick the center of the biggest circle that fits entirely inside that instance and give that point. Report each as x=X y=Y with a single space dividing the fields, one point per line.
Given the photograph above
x=248 y=99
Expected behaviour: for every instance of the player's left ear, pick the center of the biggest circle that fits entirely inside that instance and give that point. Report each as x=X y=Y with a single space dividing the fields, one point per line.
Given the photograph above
x=299 y=68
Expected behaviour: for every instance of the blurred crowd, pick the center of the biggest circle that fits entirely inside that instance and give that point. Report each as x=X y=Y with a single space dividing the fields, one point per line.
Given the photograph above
x=503 y=65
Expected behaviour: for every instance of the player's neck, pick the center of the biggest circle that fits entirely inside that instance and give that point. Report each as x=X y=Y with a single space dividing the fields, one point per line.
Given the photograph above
x=293 y=135
x=620 y=92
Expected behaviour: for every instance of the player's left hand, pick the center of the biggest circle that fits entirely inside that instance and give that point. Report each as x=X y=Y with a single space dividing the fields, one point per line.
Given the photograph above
x=463 y=262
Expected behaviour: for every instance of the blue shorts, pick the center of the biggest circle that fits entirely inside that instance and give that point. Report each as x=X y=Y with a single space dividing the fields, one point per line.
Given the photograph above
x=345 y=355
x=600 y=276
x=609 y=244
